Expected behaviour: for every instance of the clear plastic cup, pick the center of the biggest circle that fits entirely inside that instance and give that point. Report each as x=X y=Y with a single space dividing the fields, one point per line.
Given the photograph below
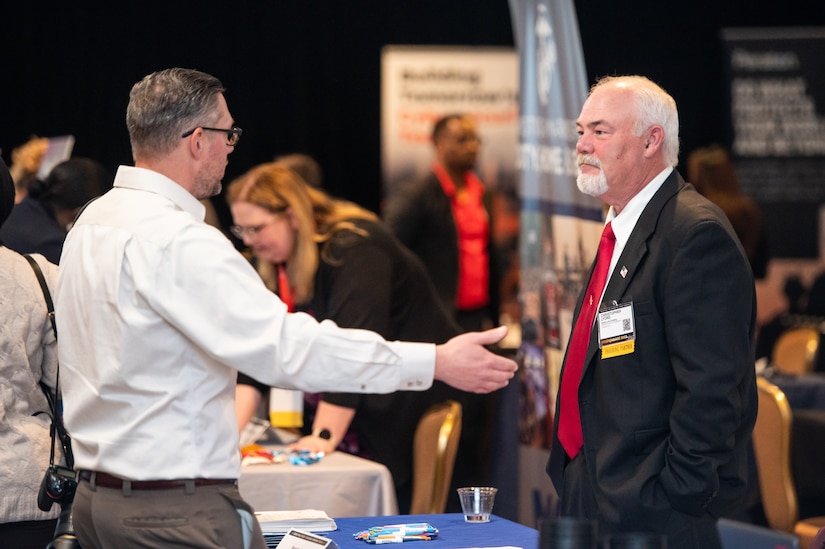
x=477 y=502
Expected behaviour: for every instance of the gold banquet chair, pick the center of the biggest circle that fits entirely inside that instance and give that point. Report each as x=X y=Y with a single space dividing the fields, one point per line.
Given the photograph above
x=434 y=449
x=795 y=350
x=772 y=447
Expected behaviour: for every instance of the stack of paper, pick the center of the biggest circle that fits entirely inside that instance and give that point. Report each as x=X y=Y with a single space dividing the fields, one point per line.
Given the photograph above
x=277 y=523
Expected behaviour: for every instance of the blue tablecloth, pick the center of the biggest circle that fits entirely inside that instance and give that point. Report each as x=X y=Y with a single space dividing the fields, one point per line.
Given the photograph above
x=804 y=392
x=453 y=532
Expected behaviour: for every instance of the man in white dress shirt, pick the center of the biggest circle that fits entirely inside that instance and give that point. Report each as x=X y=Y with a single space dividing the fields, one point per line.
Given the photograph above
x=157 y=313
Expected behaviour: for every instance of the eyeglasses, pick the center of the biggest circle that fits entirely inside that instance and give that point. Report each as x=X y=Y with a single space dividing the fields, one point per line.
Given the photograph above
x=233 y=134
x=241 y=232
x=253 y=231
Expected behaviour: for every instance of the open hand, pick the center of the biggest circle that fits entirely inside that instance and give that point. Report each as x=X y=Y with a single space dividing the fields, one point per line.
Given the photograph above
x=466 y=364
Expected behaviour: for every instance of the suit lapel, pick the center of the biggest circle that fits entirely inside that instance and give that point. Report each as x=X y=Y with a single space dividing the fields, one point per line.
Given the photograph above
x=637 y=245
x=634 y=251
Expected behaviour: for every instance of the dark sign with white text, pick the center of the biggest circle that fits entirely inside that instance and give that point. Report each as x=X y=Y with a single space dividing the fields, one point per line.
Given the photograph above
x=777 y=107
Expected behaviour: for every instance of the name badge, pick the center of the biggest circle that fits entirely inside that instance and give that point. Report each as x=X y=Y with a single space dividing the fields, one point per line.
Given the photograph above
x=617 y=330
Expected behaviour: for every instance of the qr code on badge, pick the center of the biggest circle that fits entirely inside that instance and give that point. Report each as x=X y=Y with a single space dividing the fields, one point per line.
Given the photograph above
x=626 y=324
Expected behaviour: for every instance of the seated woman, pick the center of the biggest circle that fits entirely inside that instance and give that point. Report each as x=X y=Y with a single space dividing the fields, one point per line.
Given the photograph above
x=342 y=264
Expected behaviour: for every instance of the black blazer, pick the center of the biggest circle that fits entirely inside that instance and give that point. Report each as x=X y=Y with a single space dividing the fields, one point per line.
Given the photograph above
x=420 y=215
x=668 y=426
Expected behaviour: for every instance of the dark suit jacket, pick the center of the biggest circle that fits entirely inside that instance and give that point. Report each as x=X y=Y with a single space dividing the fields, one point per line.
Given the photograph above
x=420 y=215
x=668 y=426
x=30 y=228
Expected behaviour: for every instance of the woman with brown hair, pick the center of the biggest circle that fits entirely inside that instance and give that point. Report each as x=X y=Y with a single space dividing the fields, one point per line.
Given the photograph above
x=338 y=262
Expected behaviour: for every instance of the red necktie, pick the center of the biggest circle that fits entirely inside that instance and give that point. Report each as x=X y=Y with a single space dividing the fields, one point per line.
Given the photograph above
x=570 y=428
x=284 y=291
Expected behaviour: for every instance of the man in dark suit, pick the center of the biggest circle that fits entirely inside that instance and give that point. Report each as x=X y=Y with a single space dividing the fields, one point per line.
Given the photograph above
x=443 y=218
x=666 y=396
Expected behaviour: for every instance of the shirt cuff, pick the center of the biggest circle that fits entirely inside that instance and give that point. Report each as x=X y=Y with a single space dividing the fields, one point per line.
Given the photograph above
x=418 y=366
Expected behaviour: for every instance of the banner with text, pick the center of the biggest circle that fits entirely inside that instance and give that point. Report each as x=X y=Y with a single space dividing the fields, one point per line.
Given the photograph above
x=420 y=84
x=777 y=106
x=559 y=226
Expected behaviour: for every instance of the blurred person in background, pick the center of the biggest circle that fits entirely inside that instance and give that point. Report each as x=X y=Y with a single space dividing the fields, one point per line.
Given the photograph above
x=39 y=222
x=305 y=166
x=25 y=162
x=711 y=170
x=341 y=264
x=444 y=218
x=28 y=356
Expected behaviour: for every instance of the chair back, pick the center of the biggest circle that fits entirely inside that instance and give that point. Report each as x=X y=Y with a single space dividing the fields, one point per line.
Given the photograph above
x=771 y=444
x=434 y=449
x=795 y=350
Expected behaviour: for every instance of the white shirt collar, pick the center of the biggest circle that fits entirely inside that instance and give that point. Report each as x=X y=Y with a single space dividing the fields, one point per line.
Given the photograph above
x=624 y=223
x=142 y=179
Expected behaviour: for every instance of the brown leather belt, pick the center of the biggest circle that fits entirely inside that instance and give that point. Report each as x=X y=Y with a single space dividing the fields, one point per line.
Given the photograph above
x=110 y=481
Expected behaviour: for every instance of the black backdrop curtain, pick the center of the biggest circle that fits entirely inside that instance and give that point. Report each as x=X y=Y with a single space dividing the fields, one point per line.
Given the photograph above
x=303 y=75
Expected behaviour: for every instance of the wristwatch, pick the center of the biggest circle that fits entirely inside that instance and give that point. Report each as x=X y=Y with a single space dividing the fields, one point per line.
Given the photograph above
x=324 y=434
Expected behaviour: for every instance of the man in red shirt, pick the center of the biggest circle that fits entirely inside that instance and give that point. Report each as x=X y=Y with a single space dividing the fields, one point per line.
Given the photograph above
x=444 y=219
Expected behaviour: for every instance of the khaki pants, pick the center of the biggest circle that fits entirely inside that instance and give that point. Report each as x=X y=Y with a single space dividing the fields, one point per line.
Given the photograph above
x=205 y=517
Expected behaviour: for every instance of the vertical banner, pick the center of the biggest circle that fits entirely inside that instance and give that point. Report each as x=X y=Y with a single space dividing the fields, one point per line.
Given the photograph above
x=559 y=226
x=777 y=105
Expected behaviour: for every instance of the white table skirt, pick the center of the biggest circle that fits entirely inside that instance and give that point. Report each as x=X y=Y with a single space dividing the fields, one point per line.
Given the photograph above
x=340 y=484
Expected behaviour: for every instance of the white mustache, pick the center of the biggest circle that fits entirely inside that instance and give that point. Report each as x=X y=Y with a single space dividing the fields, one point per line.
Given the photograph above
x=589 y=160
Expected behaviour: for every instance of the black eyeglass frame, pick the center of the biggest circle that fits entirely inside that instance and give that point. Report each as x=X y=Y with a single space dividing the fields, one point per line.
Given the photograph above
x=233 y=134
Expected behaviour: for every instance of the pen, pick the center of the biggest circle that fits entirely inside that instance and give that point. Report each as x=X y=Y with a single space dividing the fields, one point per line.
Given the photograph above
x=397 y=533
x=378 y=540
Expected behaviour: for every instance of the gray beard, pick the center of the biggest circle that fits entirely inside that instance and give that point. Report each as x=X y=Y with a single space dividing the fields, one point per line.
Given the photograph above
x=594 y=185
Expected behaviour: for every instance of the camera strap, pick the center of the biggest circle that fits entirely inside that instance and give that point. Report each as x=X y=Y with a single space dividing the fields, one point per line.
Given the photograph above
x=58 y=430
